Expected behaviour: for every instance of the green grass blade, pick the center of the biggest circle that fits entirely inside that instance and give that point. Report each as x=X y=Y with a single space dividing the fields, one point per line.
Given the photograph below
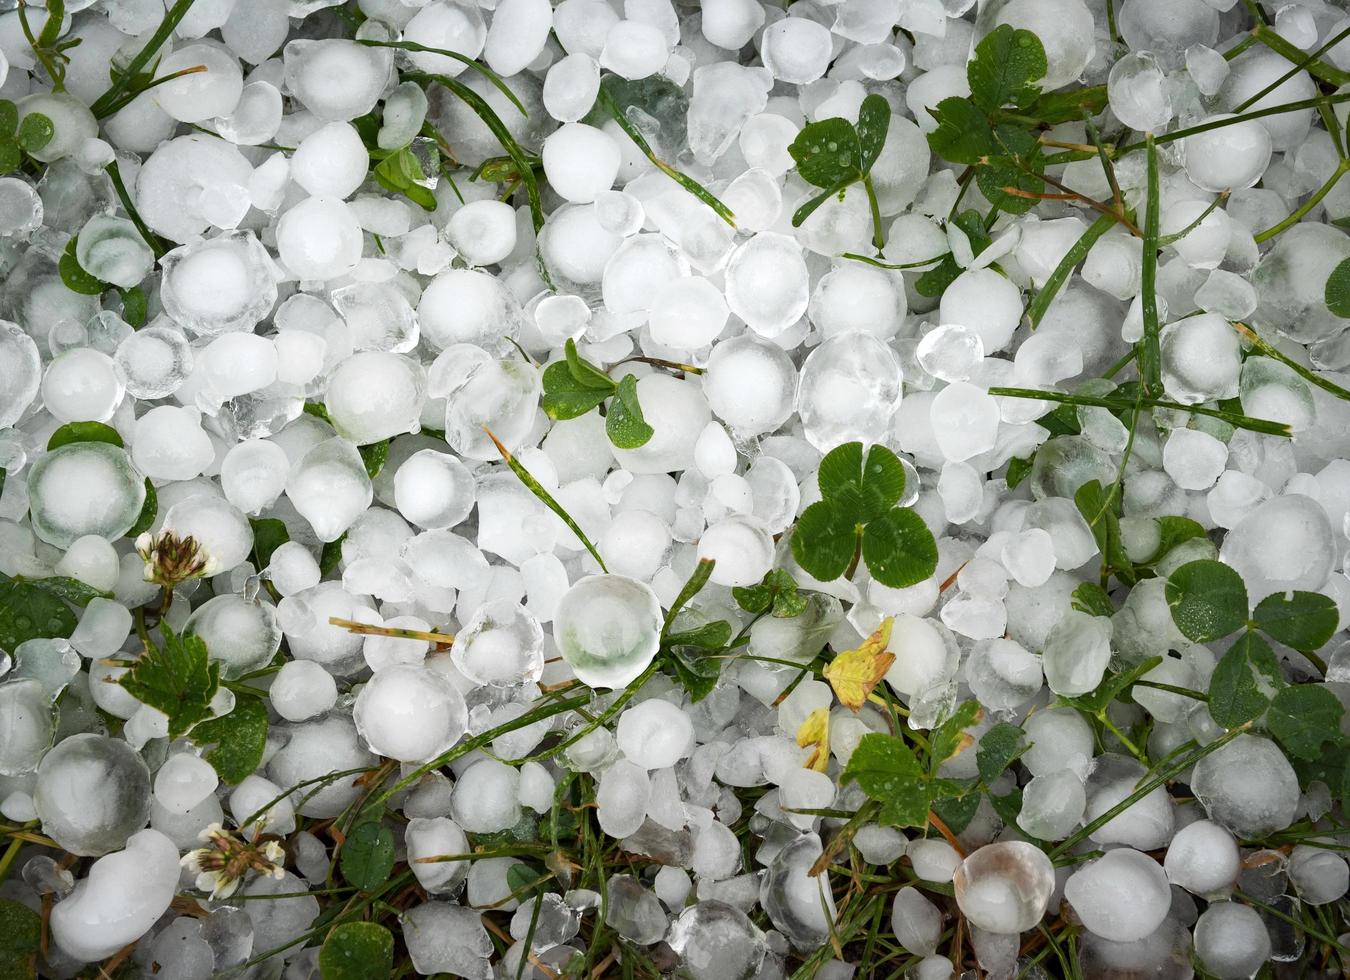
x=1269 y=350
x=1311 y=62
x=546 y=498
x=1150 y=356
x=468 y=62
x=924 y=263
x=1071 y=259
x=691 y=588
x=1265 y=426
x=103 y=105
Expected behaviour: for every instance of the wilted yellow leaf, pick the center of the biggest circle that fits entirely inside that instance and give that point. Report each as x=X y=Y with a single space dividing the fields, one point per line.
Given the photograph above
x=816 y=731
x=854 y=673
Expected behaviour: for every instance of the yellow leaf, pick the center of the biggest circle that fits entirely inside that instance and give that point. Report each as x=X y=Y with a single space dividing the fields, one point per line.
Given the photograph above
x=816 y=731
x=854 y=673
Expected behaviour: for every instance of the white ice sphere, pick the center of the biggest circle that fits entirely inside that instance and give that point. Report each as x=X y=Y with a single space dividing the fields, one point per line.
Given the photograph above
x=501 y=645
x=112 y=249
x=1076 y=653
x=410 y=713
x=331 y=161
x=1203 y=859
x=950 y=352
x=467 y=306
x=152 y=362
x=484 y=394
x=1003 y=674
x=655 y=734
x=927 y=660
x=1231 y=941
x=986 y=302
x=1319 y=876
x=123 y=896
x=253 y=474
x=570 y=87
x=1266 y=74
x=687 y=313
x=518 y=32
x=1005 y=887
x=335 y=78
x=1247 y=786
x=235 y=364
x=449 y=26
x=201 y=95
x=1052 y=805
x=622 y=795
x=608 y=629
x=92 y=560
x=965 y=421
x=580 y=162
x=742 y=549
x=20 y=372
x=483 y=232
x=255 y=118
x=1228 y=158
x=1194 y=459
x=750 y=384
x=173 y=181
x=84 y=488
x=1137 y=88
x=21 y=208
x=796 y=50
x=677 y=411
x=375 y=395
x=183 y=781
x=767 y=283
x=329 y=487
x=634 y=49
x=93 y=792
x=169 y=444
x=432 y=836
x=632 y=272
x=732 y=23
x=485 y=797
x=1096 y=890
x=1201 y=359
x=854 y=296
x=1282 y=544
x=1059 y=738
x=81 y=385
x=241 y=634
x=29 y=723
x=302 y=689
x=433 y=489
x=319 y=238
x=636 y=544
x=72 y=123
x=849 y=388
x=222 y=284
x=916 y=922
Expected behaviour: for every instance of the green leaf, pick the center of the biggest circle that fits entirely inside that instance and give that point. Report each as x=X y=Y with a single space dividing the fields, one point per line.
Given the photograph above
x=1244 y=681
x=70 y=589
x=963 y=133
x=823 y=541
x=30 y=613
x=777 y=591
x=1008 y=807
x=9 y=119
x=899 y=549
x=319 y=410
x=1092 y=599
x=828 y=153
x=584 y=372
x=887 y=771
x=1019 y=468
x=874 y=120
x=1099 y=511
x=1174 y=531
x=1303 y=717
x=373 y=455
x=83 y=432
x=806 y=210
x=35 y=132
x=1302 y=620
x=1207 y=599
x=74 y=276
x=841 y=467
x=134 y=306
x=999 y=748
x=692 y=587
x=240 y=739
x=20 y=940
x=177 y=677
x=957 y=811
x=269 y=534
x=947 y=739
x=872 y=487
x=331 y=554
x=709 y=636
x=367 y=856
x=624 y=423
x=1015 y=164
x=935 y=281
x=10 y=157
x=1112 y=687
x=546 y=498
x=357 y=951
x=1337 y=292
x=149 y=511
x=696 y=673
x=1007 y=65
x=566 y=398
x=1057 y=107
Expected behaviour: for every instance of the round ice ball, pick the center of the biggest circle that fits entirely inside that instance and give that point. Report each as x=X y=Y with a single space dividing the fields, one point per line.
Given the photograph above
x=608 y=629
x=1005 y=887
x=319 y=238
x=240 y=634
x=1228 y=158
x=84 y=488
x=433 y=489
x=580 y=162
x=410 y=713
x=93 y=792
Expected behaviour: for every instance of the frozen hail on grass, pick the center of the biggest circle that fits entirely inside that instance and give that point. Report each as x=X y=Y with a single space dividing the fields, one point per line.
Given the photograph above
x=541 y=487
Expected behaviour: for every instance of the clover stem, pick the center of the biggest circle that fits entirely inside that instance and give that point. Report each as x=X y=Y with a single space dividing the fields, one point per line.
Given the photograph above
x=857 y=553
x=878 y=239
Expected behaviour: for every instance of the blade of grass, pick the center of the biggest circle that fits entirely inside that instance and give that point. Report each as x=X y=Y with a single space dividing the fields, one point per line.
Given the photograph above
x=1071 y=259
x=468 y=62
x=1179 y=235
x=895 y=265
x=606 y=102
x=1312 y=377
x=1291 y=52
x=154 y=241
x=1150 y=356
x=102 y=105
x=693 y=587
x=1313 y=200
x=546 y=498
x=1266 y=426
x=1274 y=110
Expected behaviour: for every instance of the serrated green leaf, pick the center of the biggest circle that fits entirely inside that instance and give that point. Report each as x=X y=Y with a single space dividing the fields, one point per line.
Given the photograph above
x=1008 y=806
x=935 y=281
x=1244 y=681
x=177 y=678
x=624 y=423
x=74 y=276
x=963 y=133
x=805 y=211
x=1008 y=64
x=83 y=432
x=777 y=591
x=1208 y=600
x=1337 y=291
x=1304 y=717
x=269 y=534
x=149 y=511
x=357 y=951
x=1112 y=687
x=373 y=455
x=240 y=738
x=887 y=771
x=70 y=589
x=957 y=811
x=823 y=541
x=584 y=372
x=899 y=549
x=874 y=121
x=1092 y=599
x=828 y=153
x=1302 y=620
x=35 y=131
x=950 y=737
x=999 y=747
x=367 y=856
x=29 y=613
